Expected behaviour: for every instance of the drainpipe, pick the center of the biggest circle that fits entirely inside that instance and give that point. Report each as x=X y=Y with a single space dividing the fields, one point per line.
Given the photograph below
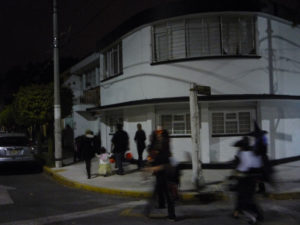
x=197 y=173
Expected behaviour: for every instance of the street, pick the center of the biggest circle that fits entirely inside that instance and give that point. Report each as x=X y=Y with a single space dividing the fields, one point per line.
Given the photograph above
x=34 y=198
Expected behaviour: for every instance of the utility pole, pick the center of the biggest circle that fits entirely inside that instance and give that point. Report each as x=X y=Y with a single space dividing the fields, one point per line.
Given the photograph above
x=197 y=173
x=57 y=109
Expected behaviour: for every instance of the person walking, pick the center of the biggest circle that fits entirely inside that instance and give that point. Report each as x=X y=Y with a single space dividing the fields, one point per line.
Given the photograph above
x=140 y=138
x=88 y=150
x=261 y=149
x=104 y=164
x=246 y=172
x=120 y=143
x=159 y=152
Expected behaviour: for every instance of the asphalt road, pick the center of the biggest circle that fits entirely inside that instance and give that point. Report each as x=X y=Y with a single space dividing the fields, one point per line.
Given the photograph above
x=36 y=199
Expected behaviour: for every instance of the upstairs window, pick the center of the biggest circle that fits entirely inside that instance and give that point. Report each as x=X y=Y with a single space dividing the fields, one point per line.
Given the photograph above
x=231 y=123
x=90 y=79
x=203 y=37
x=113 y=64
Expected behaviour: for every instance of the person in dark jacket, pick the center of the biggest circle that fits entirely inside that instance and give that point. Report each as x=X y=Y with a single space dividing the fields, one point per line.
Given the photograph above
x=159 y=151
x=246 y=173
x=120 y=143
x=140 y=138
x=261 y=149
x=88 y=150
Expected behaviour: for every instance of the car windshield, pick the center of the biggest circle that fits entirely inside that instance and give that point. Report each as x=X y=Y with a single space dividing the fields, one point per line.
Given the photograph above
x=13 y=141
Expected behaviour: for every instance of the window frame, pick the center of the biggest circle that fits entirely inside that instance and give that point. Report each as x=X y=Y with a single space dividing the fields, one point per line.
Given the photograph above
x=110 y=69
x=187 y=39
x=237 y=119
x=187 y=124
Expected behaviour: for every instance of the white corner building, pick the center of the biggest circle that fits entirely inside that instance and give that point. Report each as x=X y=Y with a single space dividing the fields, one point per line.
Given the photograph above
x=249 y=61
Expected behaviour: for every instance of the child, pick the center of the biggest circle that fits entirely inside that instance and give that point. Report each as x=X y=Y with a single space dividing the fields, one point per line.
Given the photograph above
x=104 y=164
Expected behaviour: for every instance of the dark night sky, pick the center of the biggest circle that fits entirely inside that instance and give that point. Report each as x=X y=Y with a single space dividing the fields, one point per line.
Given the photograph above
x=27 y=30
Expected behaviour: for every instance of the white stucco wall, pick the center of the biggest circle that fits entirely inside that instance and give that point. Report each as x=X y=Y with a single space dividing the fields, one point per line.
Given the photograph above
x=81 y=124
x=281 y=119
x=140 y=80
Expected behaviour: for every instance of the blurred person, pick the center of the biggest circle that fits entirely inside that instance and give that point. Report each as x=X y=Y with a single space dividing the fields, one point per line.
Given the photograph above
x=120 y=143
x=88 y=150
x=261 y=148
x=104 y=162
x=140 y=138
x=159 y=152
x=246 y=172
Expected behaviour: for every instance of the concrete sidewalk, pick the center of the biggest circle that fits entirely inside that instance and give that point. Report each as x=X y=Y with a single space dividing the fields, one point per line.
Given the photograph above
x=135 y=184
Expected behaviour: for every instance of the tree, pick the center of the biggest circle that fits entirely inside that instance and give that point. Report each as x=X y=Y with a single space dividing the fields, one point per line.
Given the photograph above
x=7 y=117
x=33 y=105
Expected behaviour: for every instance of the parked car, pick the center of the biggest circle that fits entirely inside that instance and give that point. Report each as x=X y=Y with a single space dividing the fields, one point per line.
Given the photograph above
x=16 y=148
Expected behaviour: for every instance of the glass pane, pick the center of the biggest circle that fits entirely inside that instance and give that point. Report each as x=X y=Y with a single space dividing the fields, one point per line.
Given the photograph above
x=177 y=39
x=179 y=128
x=231 y=116
x=231 y=127
x=212 y=36
x=188 y=124
x=230 y=35
x=247 y=35
x=203 y=37
x=166 y=122
x=218 y=123
x=178 y=117
x=244 y=122
x=161 y=47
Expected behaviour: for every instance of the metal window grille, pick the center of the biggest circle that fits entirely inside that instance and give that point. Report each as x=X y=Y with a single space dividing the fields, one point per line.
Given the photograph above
x=177 y=124
x=204 y=36
x=231 y=123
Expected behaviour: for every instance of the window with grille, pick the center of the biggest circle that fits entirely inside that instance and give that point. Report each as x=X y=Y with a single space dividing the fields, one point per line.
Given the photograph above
x=176 y=124
x=231 y=123
x=225 y=35
x=113 y=64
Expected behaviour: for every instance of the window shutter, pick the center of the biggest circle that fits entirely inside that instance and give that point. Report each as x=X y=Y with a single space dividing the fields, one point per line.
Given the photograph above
x=195 y=38
x=177 y=39
x=230 y=33
x=161 y=42
x=247 y=36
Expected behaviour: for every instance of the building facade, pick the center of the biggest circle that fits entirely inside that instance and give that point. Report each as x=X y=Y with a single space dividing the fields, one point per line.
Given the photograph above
x=249 y=61
x=84 y=79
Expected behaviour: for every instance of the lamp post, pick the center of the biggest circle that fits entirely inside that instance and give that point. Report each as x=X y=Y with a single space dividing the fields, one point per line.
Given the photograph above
x=57 y=108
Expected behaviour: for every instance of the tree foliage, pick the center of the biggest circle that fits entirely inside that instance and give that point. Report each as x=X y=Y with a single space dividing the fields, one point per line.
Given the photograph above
x=7 y=116
x=33 y=105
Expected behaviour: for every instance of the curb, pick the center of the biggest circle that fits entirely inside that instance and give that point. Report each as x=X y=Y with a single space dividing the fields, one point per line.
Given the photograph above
x=186 y=196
